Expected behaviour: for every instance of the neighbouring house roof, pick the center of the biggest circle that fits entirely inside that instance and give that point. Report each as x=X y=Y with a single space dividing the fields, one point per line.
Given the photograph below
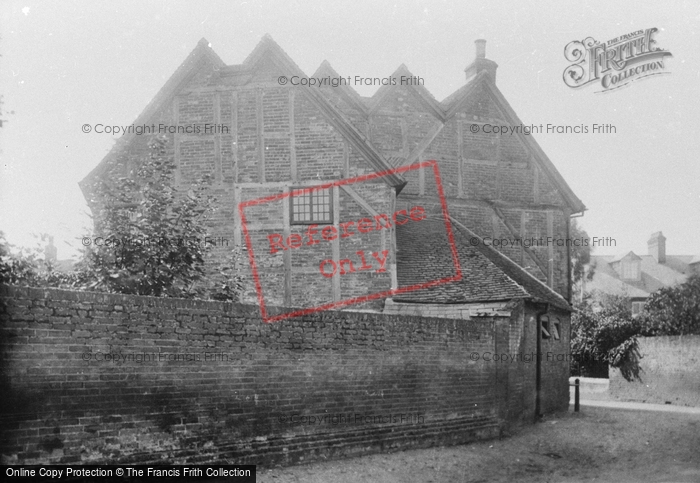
x=620 y=256
x=424 y=255
x=654 y=275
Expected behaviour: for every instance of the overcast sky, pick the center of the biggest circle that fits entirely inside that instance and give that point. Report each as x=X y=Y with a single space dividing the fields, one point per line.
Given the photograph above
x=68 y=63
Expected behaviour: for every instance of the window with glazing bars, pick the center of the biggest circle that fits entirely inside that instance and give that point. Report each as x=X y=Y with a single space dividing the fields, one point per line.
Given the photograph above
x=311 y=207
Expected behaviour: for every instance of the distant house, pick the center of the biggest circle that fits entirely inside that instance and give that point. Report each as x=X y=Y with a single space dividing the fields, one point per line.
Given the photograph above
x=638 y=276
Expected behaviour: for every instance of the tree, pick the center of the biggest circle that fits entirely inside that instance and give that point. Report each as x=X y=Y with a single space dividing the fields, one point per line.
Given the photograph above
x=153 y=237
x=674 y=310
x=17 y=267
x=153 y=240
x=581 y=268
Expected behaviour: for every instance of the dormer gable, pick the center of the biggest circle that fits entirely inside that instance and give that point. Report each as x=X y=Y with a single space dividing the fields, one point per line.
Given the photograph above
x=628 y=266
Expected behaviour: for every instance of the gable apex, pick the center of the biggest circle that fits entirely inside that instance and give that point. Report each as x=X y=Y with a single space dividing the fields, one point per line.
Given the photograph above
x=267 y=48
x=347 y=92
x=190 y=66
x=626 y=256
x=424 y=96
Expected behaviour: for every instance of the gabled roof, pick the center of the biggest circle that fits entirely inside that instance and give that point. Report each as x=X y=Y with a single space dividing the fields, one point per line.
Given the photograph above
x=453 y=102
x=447 y=109
x=266 y=49
x=423 y=255
x=425 y=97
x=192 y=64
x=348 y=93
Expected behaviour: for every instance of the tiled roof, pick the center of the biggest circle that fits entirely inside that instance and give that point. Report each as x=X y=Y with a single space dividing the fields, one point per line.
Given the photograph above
x=620 y=256
x=424 y=255
x=609 y=283
x=654 y=275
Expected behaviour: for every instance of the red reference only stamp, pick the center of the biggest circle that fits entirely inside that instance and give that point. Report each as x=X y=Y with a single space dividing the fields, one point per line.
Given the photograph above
x=316 y=235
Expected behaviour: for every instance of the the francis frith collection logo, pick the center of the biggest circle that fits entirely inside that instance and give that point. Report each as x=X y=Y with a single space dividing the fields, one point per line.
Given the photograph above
x=615 y=63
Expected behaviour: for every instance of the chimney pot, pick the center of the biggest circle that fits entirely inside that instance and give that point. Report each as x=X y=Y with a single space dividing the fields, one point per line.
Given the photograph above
x=481 y=63
x=480 y=48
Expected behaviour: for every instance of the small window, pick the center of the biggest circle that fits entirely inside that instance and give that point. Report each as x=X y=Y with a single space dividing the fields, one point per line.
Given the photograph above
x=556 y=329
x=630 y=269
x=637 y=308
x=544 y=321
x=311 y=207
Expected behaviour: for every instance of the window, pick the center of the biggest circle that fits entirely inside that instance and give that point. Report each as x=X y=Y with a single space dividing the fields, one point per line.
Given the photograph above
x=544 y=321
x=311 y=207
x=630 y=269
x=637 y=308
x=556 y=330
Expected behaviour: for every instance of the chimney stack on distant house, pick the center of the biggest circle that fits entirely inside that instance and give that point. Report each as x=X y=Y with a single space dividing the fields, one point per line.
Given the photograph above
x=481 y=63
x=50 y=251
x=657 y=247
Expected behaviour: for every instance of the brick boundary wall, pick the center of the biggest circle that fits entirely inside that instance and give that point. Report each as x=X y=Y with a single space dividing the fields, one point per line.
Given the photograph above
x=670 y=372
x=233 y=400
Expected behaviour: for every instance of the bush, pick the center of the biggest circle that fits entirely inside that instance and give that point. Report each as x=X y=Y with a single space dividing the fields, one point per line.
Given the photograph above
x=607 y=337
x=23 y=266
x=674 y=310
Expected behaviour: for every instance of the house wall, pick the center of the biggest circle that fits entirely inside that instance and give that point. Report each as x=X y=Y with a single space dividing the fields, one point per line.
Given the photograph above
x=491 y=182
x=268 y=140
x=555 y=359
x=694 y=268
x=669 y=372
x=93 y=377
x=517 y=349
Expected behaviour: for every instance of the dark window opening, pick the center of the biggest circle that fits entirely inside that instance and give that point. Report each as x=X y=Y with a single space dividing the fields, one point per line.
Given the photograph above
x=544 y=321
x=556 y=330
x=311 y=207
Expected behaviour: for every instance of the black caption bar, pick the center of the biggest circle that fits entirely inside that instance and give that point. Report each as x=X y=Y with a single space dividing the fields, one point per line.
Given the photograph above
x=128 y=474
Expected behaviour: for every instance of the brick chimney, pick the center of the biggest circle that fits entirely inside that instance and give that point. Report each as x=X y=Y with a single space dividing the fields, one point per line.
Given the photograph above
x=481 y=63
x=657 y=246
